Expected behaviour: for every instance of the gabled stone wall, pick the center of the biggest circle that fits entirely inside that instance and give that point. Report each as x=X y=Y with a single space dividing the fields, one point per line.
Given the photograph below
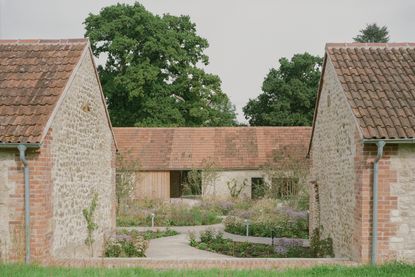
x=333 y=171
x=82 y=155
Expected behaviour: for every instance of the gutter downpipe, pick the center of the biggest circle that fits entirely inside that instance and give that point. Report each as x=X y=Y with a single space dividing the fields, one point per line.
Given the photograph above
x=380 y=144
x=22 y=154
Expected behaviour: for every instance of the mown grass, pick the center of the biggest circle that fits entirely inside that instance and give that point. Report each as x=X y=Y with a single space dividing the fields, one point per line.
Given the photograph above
x=395 y=269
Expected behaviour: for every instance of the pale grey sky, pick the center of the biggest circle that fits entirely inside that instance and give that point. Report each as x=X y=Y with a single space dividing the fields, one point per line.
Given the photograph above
x=246 y=37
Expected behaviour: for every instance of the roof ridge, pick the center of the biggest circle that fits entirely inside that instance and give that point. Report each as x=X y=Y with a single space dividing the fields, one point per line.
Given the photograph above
x=370 y=44
x=44 y=41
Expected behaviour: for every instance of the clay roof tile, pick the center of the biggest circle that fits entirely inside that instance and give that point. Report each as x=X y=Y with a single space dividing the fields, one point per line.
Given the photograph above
x=33 y=74
x=379 y=82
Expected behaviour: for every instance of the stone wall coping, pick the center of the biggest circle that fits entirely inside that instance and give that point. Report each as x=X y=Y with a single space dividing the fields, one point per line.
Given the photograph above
x=196 y=263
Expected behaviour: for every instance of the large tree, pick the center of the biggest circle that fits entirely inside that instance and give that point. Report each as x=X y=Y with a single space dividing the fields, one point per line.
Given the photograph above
x=373 y=33
x=153 y=75
x=289 y=93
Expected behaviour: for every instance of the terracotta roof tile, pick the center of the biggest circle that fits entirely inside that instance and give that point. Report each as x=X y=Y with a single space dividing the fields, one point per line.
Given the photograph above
x=227 y=147
x=379 y=82
x=33 y=74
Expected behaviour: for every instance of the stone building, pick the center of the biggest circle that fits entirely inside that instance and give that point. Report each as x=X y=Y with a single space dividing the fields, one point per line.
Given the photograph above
x=222 y=157
x=57 y=150
x=362 y=151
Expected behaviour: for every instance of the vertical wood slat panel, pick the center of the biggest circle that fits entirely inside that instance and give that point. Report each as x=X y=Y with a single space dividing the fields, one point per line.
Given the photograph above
x=153 y=185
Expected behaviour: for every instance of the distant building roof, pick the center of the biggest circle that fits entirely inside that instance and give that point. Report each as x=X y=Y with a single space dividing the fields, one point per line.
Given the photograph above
x=378 y=80
x=226 y=147
x=33 y=75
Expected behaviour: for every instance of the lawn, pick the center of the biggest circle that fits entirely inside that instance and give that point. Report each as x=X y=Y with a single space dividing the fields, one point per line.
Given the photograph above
x=386 y=270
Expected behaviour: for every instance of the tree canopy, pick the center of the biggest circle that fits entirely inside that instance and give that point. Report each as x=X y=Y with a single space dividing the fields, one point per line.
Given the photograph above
x=153 y=73
x=289 y=93
x=373 y=33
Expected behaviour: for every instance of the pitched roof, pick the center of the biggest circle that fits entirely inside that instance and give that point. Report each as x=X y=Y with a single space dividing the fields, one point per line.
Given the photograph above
x=378 y=80
x=33 y=75
x=226 y=147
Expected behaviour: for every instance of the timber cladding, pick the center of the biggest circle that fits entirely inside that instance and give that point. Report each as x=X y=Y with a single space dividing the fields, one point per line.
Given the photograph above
x=152 y=185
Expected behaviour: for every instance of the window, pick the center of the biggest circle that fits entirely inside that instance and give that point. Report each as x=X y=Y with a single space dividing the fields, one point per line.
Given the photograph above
x=257 y=187
x=284 y=187
x=191 y=183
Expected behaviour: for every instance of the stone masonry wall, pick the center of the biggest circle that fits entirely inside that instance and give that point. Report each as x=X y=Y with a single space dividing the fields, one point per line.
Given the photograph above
x=400 y=212
x=7 y=162
x=333 y=169
x=83 y=156
x=217 y=186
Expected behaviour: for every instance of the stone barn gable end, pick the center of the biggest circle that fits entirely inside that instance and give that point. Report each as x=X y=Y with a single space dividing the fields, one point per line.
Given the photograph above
x=52 y=102
x=366 y=94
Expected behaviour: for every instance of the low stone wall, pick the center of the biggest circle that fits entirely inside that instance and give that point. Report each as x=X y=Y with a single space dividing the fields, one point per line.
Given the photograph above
x=231 y=263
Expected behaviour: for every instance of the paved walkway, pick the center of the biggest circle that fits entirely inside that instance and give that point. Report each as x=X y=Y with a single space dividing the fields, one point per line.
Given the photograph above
x=178 y=246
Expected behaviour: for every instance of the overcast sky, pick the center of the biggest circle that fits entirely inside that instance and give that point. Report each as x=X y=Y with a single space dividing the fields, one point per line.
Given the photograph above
x=246 y=37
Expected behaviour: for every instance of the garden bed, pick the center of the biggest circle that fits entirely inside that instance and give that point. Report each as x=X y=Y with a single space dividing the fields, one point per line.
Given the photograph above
x=214 y=242
x=140 y=213
x=211 y=240
x=132 y=243
x=267 y=218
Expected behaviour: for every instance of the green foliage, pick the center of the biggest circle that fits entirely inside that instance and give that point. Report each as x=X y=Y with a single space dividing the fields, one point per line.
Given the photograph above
x=219 y=206
x=149 y=235
x=193 y=183
x=152 y=76
x=192 y=238
x=235 y=188
x=289 y=93
x=373 y=33
x=266 y=216
x=282 y=227
x=127 y=174
x=167 y=214
x=321 y=248
x=288 y=173
x=91 y=226
x=133 y=245
x=213 y=241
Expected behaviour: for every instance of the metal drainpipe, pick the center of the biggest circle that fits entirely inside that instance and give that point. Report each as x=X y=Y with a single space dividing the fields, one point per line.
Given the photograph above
x=373 y=258
x=22 y=151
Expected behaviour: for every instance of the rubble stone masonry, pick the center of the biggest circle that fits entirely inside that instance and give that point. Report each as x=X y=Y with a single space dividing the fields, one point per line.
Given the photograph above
x=82 y=153
x=333 y=167
x=75 y=161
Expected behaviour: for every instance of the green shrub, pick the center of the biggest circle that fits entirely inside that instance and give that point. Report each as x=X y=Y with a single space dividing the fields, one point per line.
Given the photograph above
x=133 y=246
x=282 y=227
x=113 y=248
x=148 y=235
x=321 y=248
x=192 y=238
x=207 y=235
x=213 y=241
x=167 y=214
